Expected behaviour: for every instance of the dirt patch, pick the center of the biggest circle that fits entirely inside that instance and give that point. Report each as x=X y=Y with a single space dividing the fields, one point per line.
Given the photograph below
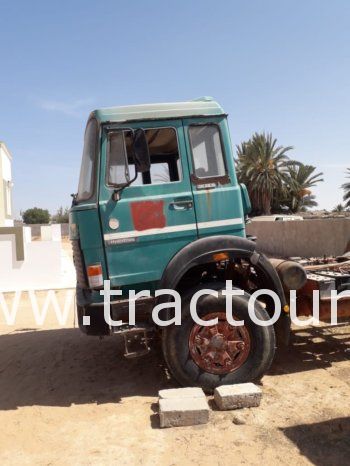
x=70 y=399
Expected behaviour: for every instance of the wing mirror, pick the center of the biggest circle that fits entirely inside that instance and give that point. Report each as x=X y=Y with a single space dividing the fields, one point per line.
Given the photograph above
x=141 y=152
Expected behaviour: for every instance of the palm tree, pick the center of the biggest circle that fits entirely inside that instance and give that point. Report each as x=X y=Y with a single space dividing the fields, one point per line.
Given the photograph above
x=338 y=208
x=346 y=187
x=260 y=165
x=298 y=181
x=308 y=202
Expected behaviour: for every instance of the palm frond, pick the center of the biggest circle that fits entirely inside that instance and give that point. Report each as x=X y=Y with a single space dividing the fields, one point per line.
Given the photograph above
x=272 y=178
x=346 y=188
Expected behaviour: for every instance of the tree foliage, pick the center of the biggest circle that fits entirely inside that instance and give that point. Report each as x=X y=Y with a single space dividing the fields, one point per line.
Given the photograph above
x=61 y=216
x=298 y=180
x=260 y=165
x=339 y=208
x=274 y=182
x=346 y=187
x=35 y=216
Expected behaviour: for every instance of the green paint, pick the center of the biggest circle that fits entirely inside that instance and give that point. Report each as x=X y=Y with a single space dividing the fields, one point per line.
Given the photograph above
x=138 y=261
x=199 y=107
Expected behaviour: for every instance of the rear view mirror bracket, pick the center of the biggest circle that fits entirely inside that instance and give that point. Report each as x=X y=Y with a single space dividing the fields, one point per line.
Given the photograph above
x=141 y=156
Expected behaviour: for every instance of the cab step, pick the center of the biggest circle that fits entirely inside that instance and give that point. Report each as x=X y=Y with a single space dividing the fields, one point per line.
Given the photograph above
x=137 y=341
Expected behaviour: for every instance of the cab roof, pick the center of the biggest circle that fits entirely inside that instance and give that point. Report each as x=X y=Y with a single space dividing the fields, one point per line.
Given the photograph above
x=204 y=106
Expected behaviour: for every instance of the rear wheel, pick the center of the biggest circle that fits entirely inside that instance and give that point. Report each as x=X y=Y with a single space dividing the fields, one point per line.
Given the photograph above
x=198 y=355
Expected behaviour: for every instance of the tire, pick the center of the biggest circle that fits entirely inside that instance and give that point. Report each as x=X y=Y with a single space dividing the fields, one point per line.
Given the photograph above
x=186 y=360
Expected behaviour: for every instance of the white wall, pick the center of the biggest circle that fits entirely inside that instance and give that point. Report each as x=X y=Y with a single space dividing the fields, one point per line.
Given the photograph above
x=5 y=165
x=46 y=264
x=6 y=175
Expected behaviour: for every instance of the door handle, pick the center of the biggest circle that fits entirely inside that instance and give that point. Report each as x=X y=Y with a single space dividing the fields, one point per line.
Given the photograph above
x=181 y=205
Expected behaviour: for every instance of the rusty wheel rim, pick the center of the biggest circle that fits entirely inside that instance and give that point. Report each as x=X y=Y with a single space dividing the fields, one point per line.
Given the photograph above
x=221 y=348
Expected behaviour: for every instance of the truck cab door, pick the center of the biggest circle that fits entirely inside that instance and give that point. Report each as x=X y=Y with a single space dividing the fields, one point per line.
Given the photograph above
x=216 y=192
x=148 y=222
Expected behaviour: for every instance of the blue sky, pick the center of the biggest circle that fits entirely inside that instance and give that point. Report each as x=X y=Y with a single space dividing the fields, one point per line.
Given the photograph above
x=280 y=66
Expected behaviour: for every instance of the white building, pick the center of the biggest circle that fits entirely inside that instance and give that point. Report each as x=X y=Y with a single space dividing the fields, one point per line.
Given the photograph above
x=6 y=210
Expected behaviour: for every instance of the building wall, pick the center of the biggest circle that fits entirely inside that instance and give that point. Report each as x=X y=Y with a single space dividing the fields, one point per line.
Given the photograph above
x=306 y=238
x=36 y=229
x=6 y=206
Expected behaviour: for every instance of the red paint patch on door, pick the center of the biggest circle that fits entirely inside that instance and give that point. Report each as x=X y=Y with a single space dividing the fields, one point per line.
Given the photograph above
x=148 y=214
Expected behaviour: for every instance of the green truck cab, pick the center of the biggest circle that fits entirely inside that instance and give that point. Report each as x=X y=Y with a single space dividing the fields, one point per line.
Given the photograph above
x=159 y=207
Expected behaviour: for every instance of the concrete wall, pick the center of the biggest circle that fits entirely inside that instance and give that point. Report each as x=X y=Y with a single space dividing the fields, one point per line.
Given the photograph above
x=6 y=207
x=36 y=229
x=34 y=265
x=307 y=238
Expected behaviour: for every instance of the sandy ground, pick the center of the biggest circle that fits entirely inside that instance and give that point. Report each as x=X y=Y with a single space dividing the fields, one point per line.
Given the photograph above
x=66 y=398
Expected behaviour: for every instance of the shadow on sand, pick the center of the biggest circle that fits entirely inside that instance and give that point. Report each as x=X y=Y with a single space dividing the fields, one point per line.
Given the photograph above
x=313 y=348
x=61 y=367
x=324 y=443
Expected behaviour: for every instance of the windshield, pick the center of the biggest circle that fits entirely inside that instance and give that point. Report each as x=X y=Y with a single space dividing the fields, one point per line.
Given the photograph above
x=87 y=171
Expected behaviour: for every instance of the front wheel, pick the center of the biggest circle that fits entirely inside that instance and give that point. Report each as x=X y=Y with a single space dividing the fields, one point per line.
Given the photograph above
x=221 y=354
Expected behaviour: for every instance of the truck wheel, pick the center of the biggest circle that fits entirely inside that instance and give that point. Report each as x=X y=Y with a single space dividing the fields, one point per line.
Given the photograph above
x=220 y=354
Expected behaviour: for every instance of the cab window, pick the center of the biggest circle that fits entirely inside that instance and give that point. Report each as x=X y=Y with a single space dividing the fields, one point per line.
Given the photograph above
x=87 y=171
x=164 y=155
x=207 y=152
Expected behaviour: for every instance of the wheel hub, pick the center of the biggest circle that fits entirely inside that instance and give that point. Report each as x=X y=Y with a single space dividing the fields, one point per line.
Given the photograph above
x=221 y=348
x=218 y=342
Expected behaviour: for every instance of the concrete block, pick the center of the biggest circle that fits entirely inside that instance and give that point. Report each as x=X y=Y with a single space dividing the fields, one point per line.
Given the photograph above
x=187 y=392
x=176 y=412
x=51 y=232
x=243 y=395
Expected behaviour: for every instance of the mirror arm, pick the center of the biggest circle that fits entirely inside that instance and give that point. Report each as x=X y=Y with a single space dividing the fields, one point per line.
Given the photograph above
x=118 y=191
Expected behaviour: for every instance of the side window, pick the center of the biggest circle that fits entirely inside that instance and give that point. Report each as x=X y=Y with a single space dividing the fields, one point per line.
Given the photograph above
x=207 y=152
x=117 y=158
x=87 y=171
x=164 y=154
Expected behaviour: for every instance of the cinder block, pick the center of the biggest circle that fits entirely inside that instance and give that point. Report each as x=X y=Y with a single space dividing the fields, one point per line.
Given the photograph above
x=176 y=412
x=188 y=392
x=243 y=395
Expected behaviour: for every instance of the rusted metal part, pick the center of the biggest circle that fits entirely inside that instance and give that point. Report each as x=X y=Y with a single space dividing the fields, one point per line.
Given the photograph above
x=332 y=265
x=324 y=284
x=304 y=308
x=224 y=179
x=221 y=348
x=209 y=199
x=136 y=341
x=292 y=274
